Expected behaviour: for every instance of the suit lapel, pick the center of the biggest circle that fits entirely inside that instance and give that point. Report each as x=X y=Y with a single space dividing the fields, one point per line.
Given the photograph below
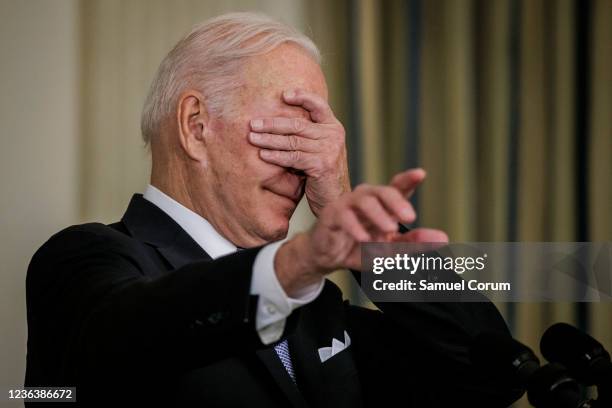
x=148 y=223
x=182 y=253
x=272 y=362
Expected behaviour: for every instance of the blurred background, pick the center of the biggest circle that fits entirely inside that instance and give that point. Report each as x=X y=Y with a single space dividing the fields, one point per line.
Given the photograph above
x=507 y=104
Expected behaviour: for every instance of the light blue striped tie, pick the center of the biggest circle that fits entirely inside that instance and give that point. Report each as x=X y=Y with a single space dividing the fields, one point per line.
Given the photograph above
x=282 y=349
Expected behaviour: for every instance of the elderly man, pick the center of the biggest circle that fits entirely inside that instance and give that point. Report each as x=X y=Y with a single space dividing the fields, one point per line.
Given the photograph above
x=195 y=298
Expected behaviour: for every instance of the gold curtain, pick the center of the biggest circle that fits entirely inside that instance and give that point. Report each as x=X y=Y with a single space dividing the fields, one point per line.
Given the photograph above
x=600 y=149
x=495 y=87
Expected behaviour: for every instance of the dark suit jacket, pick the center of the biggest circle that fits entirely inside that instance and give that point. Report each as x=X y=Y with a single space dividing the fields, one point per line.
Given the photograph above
x=137 y=312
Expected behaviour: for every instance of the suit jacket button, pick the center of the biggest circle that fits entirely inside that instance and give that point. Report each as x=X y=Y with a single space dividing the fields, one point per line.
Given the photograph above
x=215 y=317
x=196 y=322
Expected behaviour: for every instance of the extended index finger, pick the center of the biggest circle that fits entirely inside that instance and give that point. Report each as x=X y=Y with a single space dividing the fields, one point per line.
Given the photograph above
x=407 y=181
x=318 y=107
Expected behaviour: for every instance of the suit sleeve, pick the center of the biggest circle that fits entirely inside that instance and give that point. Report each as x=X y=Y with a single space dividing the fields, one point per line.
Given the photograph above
x=431 y=341
x=89 y=300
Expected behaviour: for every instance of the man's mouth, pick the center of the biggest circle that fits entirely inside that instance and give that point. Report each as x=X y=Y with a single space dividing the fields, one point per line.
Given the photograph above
x=286 y=185
x=294 y=194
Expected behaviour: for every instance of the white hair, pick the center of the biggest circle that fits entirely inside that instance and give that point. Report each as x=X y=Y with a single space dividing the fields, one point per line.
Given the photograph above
x=209 y=59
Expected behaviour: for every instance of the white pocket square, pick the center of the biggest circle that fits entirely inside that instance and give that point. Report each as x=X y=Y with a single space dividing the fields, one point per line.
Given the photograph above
x=325 y=353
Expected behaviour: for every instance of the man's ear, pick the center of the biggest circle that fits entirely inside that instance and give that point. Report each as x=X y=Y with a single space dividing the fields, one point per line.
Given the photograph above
x=192 y=124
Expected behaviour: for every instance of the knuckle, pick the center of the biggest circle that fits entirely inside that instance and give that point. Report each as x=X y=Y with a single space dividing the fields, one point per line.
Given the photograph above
x=298 y=124
x=317 y=167
x=278 y=124
x=294 y=143
x=388 y=191
x=381 y=191
x=367 y=202
x=294 y=155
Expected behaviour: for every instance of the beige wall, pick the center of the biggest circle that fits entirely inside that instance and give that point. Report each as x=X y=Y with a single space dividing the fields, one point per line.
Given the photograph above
x=38 y=152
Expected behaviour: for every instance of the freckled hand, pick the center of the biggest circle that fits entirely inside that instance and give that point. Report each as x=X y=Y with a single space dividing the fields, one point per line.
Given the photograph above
x=313 y=147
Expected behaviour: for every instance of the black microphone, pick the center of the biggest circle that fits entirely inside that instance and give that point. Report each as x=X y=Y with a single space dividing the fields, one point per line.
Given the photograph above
x=511 y=361
x=504 y=357
x=584 y=356
x=551 y=386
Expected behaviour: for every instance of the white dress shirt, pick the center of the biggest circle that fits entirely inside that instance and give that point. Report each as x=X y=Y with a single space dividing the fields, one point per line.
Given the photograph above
x=274 y=306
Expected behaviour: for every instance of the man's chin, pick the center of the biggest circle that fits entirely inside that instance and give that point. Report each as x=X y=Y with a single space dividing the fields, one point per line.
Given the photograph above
x=273 y=235
x=274 y=216
x=276 y=227
x=278 y=236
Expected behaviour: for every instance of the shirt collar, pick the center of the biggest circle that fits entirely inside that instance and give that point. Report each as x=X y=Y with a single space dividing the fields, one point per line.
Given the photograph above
x=198 y=228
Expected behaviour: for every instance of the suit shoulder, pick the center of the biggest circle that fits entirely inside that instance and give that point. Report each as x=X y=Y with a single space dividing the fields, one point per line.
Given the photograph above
x=82 y=237
x=88 y=231
x=76 y=248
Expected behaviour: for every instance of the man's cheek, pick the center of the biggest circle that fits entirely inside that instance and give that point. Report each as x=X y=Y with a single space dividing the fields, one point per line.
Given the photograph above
x=257 y=166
